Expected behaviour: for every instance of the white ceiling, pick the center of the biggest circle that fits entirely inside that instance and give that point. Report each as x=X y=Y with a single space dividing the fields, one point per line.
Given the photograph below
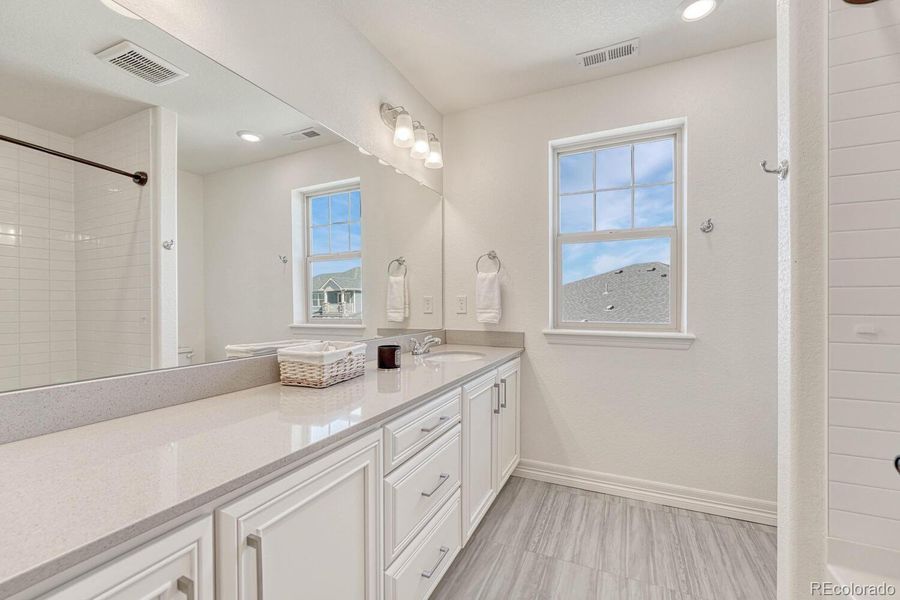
x=52 y=80
x=464 y=53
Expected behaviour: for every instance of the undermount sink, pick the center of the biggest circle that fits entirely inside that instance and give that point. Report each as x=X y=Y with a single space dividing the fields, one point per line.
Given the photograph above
x=454 y=356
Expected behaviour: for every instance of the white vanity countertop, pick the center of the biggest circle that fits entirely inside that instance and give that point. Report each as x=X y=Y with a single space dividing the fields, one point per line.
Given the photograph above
x=66 y=497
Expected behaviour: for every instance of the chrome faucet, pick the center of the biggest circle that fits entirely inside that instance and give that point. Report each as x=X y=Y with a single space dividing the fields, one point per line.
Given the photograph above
x=417 y=349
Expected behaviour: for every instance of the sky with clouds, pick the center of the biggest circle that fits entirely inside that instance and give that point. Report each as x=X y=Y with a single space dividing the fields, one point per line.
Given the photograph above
x=584 y=207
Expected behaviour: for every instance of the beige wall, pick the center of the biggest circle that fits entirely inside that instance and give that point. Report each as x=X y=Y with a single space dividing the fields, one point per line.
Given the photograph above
x=704 y=418
x=247 y=224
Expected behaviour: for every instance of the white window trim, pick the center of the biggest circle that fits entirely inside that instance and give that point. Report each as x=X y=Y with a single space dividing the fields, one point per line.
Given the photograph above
x=302 y=258
x=669 y=336
x=662 y=340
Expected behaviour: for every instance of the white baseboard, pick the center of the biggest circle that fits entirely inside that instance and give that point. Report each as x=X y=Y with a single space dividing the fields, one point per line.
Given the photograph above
x=716 y=503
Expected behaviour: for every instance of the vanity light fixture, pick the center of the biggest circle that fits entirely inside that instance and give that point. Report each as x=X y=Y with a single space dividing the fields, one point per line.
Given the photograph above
x=420 y=147
x=249 y=136
x=694 y=10
x=119 y=9
x=413 y=135
x=398 y=119
x=435 y=159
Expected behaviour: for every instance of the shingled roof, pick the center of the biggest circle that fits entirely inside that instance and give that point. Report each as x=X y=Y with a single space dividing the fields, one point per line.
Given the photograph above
x=637 y=294
x=351 y=279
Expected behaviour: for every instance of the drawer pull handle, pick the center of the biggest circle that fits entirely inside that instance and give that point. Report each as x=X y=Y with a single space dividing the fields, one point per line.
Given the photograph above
x=503 y=402
x=444 y=552
x=185 y=585
x=443 y=479
x=432 y=428
x=255 y=542
x=497 y=387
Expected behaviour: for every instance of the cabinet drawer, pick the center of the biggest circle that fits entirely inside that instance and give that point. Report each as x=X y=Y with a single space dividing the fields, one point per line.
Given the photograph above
x=407 y=434
x=420 y=567
x=414 y=492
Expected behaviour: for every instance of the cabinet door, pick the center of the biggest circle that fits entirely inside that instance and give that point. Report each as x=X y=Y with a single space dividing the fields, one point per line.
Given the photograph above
x=509 y=376
x=481 y=409
x=176 y=566
x=314 y=532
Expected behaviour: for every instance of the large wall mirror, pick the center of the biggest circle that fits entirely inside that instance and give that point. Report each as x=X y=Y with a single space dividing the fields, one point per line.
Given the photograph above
x=256 y=224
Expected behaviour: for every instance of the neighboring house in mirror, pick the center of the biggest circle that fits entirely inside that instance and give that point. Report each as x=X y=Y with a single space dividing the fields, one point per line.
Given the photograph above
x=337 y=295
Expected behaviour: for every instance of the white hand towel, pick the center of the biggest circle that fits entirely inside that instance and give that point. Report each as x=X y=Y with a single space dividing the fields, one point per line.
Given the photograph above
x=397 y=299
x=487 y=297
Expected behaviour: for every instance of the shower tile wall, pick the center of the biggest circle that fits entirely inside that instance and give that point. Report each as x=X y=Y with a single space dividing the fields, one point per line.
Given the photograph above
x=864 y=277
x=112 y=247
x=37 y=299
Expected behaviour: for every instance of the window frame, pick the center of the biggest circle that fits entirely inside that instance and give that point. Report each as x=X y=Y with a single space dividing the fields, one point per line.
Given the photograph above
x=602 y=141
x=310 y=258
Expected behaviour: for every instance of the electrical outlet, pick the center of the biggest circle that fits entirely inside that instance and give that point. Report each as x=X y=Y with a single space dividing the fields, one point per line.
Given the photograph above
x=428 y=305
x=461 y=302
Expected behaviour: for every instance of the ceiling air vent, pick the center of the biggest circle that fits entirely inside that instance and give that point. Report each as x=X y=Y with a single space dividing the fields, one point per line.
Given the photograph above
x=141 y=63
x=302 y=135
x=601 y=56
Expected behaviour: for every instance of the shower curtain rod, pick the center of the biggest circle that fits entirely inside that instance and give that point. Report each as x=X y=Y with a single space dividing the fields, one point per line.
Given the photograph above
x=139 y=177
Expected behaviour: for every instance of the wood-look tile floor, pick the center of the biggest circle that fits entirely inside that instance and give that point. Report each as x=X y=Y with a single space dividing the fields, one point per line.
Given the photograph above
x=547 y=542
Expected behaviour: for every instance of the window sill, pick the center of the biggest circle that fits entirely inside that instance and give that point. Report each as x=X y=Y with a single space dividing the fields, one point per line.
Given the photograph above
x=347 y=330
x=623 y=339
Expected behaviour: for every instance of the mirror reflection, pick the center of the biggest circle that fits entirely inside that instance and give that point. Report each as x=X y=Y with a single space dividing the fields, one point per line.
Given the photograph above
x=256 y=225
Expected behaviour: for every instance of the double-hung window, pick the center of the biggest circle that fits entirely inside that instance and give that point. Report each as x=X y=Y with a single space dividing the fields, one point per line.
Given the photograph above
x=334 y=256
x=617 y=205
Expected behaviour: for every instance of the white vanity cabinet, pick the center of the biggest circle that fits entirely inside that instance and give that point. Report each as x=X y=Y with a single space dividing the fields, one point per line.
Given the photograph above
x=315 y=533
x=381 y=516
x=480 y=424
x=509 y=377
x=176 y=566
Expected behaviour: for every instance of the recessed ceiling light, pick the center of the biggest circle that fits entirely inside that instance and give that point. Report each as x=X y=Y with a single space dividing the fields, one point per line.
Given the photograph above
x=249 y=136
x=119 y=9
x=694 y=10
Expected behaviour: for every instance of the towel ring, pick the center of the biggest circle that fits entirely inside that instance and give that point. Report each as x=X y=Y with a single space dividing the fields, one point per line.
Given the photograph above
x=490 y=255
x=400 y=261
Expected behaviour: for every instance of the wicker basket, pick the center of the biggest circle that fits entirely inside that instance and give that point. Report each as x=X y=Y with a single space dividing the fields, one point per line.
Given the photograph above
x=321 y=365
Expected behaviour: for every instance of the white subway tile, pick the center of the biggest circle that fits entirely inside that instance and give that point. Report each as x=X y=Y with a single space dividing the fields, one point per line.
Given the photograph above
x=875 y=531
x=862 y=18
x=854 y=385
x=866 y=443
x=869 y=73
x=864 y=471
x=876 y=129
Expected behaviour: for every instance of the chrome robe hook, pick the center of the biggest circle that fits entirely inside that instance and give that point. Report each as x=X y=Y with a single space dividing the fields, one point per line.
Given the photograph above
x=781 y=171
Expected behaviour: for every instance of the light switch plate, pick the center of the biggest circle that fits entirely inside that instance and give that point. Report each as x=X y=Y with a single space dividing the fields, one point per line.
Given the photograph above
x=428 y=305
x=461 y=302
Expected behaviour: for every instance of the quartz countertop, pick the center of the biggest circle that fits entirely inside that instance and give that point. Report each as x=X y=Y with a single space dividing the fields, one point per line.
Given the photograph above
x=66 y=497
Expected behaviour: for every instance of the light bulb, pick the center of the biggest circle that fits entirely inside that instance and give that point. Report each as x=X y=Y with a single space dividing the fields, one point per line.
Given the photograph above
x=249 y=136
x=694 y=10
x=403 y=130
x=435 y=160
x=363 y=151
x=420 y=148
